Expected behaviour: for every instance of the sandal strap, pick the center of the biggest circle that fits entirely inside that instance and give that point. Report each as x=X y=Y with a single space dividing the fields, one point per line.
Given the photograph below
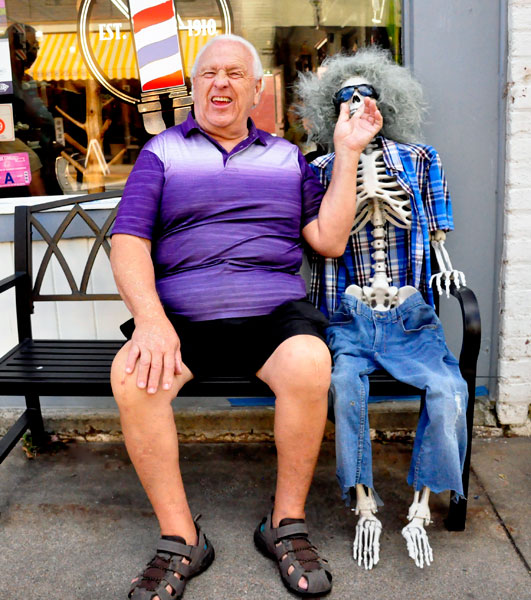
x=174 y=548
x=292 y=530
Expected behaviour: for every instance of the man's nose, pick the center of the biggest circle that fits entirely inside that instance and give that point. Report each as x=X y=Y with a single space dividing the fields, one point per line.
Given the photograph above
x=221 y=78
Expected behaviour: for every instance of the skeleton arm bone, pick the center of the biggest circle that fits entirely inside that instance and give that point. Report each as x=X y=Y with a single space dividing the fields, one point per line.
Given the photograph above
x=447 y=273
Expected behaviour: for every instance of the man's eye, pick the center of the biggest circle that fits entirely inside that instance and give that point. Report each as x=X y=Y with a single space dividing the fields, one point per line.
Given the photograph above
x=209 y=74
x=236 y=74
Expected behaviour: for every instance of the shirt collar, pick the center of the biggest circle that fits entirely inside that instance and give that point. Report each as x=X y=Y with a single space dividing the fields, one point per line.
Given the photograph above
x=390 y=154
x=255 y=135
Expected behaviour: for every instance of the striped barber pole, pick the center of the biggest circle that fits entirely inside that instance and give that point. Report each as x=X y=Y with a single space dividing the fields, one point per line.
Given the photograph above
x=154 y=25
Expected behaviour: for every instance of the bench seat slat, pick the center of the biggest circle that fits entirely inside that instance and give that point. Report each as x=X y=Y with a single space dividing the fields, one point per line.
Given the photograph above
x=81 y=368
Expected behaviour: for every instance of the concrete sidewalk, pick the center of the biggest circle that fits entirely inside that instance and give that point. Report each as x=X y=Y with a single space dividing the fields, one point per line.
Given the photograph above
x=76 y=525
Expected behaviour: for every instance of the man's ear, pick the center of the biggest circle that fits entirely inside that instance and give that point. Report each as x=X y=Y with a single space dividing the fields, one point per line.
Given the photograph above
x=259 y=88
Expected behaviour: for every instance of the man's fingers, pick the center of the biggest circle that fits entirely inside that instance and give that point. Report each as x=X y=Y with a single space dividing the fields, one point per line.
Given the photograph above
x=132 y=357
x=144 y=363
x=169 y=370
x=344 y=112
x=178 y=362
x=155 y=371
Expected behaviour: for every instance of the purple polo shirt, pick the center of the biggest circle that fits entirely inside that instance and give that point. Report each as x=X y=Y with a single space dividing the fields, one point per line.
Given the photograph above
x=225 y=226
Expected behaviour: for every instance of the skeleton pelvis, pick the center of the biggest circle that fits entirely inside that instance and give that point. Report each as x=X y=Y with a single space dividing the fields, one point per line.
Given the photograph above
x=381 y=298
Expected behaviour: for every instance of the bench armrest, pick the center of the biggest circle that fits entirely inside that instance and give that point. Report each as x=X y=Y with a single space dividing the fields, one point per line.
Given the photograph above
x=11 y=281
x=471 y=330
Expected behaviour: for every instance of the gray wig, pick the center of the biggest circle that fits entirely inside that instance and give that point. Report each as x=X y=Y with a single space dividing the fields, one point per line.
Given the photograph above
x=400 y=97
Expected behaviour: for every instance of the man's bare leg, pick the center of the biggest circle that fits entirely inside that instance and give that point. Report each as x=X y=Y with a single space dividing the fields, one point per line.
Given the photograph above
x=151 y=440
x=298 y=373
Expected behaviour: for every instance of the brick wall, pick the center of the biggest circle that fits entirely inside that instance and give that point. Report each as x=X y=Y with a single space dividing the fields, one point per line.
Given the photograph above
x=514 y=367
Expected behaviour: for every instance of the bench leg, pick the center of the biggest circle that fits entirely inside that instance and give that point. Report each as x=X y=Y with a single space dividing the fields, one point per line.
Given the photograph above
x=456 y=519
x=36 y=425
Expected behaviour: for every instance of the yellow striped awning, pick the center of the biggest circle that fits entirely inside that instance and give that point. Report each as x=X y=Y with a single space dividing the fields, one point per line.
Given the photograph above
x=60 y=57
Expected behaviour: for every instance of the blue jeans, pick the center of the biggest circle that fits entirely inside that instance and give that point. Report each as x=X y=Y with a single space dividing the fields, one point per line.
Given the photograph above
x=408 y=342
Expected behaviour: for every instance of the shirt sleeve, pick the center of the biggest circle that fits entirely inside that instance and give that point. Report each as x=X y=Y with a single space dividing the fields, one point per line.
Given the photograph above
x=437 y=201
x=311 y=190
x=139 y=206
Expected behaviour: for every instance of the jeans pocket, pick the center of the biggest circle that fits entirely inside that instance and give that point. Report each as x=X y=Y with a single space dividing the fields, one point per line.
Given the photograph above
x=420 y=318
x=341 y=317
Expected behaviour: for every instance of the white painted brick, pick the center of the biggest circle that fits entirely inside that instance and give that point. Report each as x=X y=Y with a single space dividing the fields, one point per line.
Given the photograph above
x=518 y=198
x=513 y=326
x=518 y=227
x=519 y=16
x=518 y=172
x=518 y=96
x=517 y=370
x=509 y=414
x=519 y=69
x=513 y=302
x=519 y=145
x=518 y=121
x=514 y=253
x=519 y=43
x=516 y=393
x=515 y=347
x=515 y=274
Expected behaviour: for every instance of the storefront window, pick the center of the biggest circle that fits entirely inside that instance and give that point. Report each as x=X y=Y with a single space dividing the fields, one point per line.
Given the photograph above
x=82 y=82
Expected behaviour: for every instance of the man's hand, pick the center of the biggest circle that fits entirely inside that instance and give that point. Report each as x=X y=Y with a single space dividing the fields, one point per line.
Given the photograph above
x=157 y=349
x=355 y=132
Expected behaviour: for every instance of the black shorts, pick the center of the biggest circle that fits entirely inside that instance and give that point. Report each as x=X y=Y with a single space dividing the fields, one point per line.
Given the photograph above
x=240 y=346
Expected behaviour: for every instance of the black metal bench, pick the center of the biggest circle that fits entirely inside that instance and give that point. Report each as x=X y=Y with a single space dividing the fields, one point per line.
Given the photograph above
x=35 y=367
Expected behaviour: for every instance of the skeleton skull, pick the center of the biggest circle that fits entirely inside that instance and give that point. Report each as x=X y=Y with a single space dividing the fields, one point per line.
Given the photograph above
x=362 y=89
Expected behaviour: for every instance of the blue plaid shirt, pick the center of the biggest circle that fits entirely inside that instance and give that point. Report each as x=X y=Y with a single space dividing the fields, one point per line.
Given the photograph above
x=419 y=172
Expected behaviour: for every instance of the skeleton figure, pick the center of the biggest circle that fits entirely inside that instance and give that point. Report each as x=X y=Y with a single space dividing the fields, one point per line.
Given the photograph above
x=381 y=199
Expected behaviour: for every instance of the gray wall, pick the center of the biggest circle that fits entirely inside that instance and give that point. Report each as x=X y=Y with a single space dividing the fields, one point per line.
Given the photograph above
x=457 y=49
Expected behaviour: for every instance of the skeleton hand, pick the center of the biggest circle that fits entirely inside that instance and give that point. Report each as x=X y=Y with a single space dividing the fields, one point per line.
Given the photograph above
x=447 y=272
x=354 y=133
x=446 y=277
x=418 y=546
x=366 y=545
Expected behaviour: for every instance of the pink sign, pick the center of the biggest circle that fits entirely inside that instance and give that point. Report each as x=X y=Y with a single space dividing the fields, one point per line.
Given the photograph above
x=14 y=169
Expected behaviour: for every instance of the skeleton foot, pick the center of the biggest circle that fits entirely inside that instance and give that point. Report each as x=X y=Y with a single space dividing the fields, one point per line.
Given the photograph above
x=366 y=547
x=418 y=546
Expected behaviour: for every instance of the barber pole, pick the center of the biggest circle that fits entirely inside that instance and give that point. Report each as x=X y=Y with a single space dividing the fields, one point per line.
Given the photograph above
x=156 y=36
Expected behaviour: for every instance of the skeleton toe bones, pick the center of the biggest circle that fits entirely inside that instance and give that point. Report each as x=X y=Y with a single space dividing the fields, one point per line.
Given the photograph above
x=418 y=546
x=366 y=547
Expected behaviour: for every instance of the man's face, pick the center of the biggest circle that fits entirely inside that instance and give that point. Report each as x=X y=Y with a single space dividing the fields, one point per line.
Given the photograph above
x=224 y=89
x=353 y=90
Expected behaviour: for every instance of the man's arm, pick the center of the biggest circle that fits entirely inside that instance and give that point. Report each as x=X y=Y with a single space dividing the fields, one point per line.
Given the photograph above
x=328 y=234
x=155 y=344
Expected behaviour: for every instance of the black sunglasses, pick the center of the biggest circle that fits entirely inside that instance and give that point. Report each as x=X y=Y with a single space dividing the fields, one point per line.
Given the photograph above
x=345 y=94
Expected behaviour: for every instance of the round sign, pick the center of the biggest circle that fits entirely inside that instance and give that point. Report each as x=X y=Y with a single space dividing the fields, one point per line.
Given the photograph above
x=2 y=126
x=195 y=30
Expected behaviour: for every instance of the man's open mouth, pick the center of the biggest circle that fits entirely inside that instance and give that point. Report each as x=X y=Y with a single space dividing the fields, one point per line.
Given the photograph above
x=221 y=100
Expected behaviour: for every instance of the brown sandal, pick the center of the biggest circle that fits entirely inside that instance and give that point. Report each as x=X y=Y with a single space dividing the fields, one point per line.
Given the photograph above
x=288 y=545
x=160 y=571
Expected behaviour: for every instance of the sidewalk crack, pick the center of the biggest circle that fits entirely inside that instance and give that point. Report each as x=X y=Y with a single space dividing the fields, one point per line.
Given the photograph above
x=501 y=521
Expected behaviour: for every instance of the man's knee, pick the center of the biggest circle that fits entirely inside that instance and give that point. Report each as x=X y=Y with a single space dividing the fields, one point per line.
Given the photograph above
x=300 y=364
x=124 y=385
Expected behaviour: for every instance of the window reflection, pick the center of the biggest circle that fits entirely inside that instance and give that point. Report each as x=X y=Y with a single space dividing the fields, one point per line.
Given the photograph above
x=80 y=137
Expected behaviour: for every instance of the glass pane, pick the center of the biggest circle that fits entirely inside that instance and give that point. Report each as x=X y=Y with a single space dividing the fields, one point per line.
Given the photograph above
x=75 y=74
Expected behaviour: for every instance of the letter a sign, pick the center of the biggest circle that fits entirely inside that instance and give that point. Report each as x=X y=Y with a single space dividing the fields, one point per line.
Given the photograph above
x=14 y=169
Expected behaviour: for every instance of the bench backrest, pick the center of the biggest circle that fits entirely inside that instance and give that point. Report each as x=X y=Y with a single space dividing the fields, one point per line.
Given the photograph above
x=51 y=222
